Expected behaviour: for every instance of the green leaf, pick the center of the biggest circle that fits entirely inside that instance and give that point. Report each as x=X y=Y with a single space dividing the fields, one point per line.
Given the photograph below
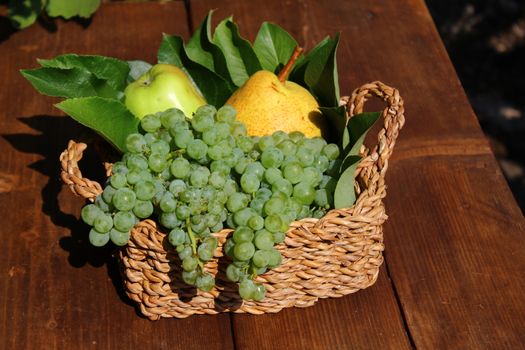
x=136 y=70
x=355 y=131
x=214 y=88
x=337 y=118
x=201 y=49
x=74 y=82
x=240 y=57
x=344 y=194
x=318 y=71
x=110 y=69
x=70 y=8
x=108 y=117
x=24 y=13
x=273 y=46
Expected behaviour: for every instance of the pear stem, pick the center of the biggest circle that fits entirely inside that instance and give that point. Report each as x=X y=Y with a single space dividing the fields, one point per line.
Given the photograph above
x=283 y=74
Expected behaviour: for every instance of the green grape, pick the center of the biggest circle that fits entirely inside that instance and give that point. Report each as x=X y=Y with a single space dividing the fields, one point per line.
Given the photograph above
x=304 y=212
x=245 y=143
x=242 y=216
x=331 y=151
x=242 y=234
x=257 y=204
x=279 y=237
x=263 y=239
x=312 y=175
x=305 y=156
x=205 y=282
x=190 y=277
x=160 y=147
x=171 y=117
x=256 y=222
x=205 y=252
x=228 y=247
x=260 y=258
x=271 y=175
x=217 y=179
x=124 y=199
x=177 y=187
x=283 y=186
x=145 y=190
x=183 y=212
x=322 y=163
x=199 y=177
x=241 y=165
x=273 y=223
x=102 y=205
x=266 y=142
x=185 y=252
x=157 y=162
x=296 y=136
x=134 y=176
x=293 y=172
x=243 y=251
x=223 y=130
x=196 y=149
x=280 y=195
x=247 y=289
x=226 y=114
x=259 y=293
x=108 y=194
x=143 y=209
x=255 y=168
x=124 y=221
x=118 y=180
x=250 y=182
x=321 y=198
x=150 y=138
x=190 y=263
x=274 y=258
x=203 y=118
x=287 y=147
x=272 y=157
x=135 y=143
x=211 y=137
x=169 y=220
x=237 y=129
x=119 y=238
x=150 y=123
x=274 y=206
x=182 y=138
x=279 y=136
x=237 y=201
x=233 y=273
x=219 y=226
x=103 y=223
x=215 y=207
x=98 y=239
x=168 y=203
x=89 y=213
x=119 y=167
x=212 y=219
x=220 y=166
x=180 y=168
x=304 y=193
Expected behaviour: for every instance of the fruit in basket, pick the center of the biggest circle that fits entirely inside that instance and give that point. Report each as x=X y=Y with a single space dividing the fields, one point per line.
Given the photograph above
x=267 y=103
x=162 y=87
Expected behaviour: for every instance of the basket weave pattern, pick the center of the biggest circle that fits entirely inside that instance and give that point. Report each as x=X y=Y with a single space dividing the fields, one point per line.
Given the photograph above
x=333 y=256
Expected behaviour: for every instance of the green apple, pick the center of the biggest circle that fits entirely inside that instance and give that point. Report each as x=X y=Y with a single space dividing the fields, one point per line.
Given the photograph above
x=162 y=87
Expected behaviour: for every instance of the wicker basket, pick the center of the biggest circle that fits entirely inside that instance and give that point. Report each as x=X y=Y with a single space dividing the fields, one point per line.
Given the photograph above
x=333 y=256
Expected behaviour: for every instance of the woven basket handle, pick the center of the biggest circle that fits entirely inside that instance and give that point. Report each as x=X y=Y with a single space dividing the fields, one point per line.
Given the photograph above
x=71 y=174
x=376 y=160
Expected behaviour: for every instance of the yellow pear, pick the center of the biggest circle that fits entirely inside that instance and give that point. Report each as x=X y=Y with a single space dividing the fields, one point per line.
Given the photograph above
x=267 y=103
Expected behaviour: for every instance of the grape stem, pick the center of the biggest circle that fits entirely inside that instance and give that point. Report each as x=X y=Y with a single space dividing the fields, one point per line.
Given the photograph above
x=193 y=242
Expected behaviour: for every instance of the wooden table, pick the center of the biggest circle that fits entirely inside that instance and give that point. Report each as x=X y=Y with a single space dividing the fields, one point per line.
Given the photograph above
x=455 y=249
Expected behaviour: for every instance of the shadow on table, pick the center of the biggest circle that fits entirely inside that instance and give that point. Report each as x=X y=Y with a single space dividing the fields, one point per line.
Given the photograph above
x=52 y=138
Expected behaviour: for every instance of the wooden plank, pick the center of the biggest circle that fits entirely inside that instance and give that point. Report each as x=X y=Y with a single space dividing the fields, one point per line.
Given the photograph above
x=367 y=319
x=56 y=291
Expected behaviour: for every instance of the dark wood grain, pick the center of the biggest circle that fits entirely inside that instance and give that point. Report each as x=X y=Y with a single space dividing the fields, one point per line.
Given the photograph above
x=56 y=291
x=454 y=241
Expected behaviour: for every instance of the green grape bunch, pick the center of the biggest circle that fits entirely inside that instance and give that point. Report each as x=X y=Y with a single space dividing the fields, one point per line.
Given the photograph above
x=197 y=176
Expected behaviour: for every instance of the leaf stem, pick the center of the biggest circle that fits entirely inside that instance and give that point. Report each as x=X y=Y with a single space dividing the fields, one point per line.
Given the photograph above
x=283 y=74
